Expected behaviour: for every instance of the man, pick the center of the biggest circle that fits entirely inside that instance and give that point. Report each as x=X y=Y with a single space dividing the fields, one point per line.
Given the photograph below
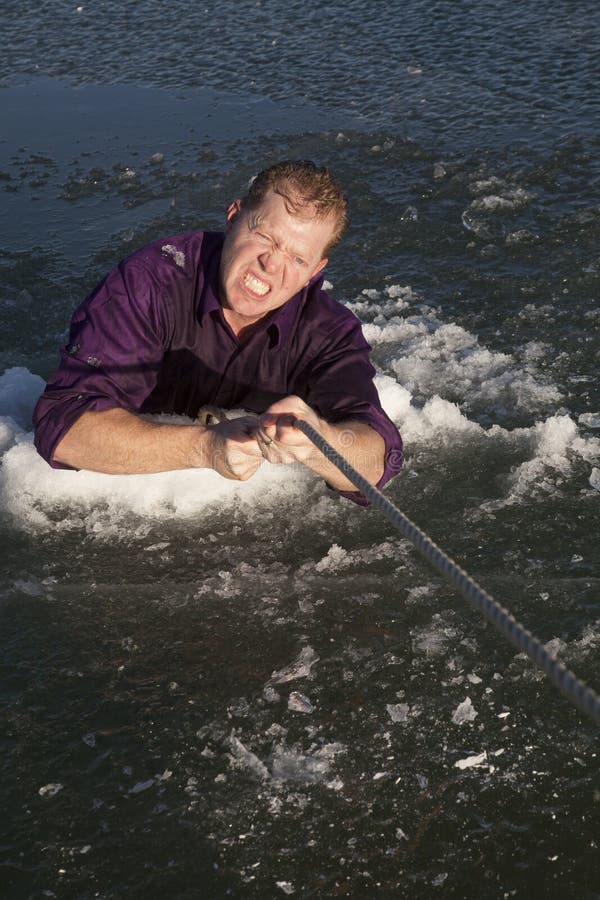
x=238 y=320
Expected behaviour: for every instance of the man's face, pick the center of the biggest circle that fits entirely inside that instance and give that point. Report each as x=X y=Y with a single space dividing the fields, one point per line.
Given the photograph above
x=268 y=256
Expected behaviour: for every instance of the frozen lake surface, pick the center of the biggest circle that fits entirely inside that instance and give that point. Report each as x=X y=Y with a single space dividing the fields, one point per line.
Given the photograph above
x=214 y=689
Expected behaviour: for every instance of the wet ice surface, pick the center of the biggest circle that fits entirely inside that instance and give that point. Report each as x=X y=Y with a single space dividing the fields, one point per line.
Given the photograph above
x=259 y=690
x=160 y=710
x=294 y=704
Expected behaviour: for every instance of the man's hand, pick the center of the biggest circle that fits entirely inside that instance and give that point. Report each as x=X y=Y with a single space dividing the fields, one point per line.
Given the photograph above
x=234 y=448
x=280 y=442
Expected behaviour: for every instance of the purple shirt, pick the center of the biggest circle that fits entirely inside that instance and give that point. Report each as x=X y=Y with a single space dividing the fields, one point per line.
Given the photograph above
x=152 y=338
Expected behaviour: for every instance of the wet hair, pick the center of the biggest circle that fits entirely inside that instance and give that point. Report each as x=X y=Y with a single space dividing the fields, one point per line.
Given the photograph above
x=307 y=189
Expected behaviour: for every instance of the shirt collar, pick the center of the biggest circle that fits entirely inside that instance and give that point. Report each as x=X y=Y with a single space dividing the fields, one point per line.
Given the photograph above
x=286 y=316
x=209 y=291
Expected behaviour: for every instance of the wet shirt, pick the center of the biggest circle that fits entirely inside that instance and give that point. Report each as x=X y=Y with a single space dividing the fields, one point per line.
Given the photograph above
x=152 y=338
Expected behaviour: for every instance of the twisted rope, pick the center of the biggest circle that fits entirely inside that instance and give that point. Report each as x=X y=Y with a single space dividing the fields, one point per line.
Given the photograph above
x=566 y=681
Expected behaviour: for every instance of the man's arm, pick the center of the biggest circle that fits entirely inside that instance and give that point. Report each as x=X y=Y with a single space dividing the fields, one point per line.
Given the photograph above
x=360 y=444
x=118 y=442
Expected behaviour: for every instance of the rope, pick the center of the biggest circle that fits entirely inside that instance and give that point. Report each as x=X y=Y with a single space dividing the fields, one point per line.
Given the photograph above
x=566 y=681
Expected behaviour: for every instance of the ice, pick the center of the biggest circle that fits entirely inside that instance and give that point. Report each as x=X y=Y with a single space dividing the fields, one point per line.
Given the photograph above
x=32 y=588
x=398 y=712
x=404 y=292
x=595 y=479
x=445 y=359
x=50 y=790
x=433 y=639
x=33 y=492
x=298 y=702
x=242 y=758
x=338 y=559
x=9 y=432
x=555 y=443
x=141 y=786
x=590 y=420
x=289 y=766
x=436 y=360
x=472 y=762
x=508 y=201
x=307 y=768
x=19 y=392
x=555 y=646
x=464 y=712
x=177 y=255
x=300 y=668
x=487 y=185
x=589 y=640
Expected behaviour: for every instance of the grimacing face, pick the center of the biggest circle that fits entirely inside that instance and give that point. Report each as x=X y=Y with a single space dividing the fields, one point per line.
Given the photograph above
x=268 y=256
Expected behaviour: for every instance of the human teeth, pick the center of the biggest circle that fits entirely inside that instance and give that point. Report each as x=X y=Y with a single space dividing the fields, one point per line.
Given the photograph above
x=255 y=284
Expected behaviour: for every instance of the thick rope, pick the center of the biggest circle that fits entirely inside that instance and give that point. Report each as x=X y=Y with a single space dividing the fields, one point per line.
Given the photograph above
x=565 y=680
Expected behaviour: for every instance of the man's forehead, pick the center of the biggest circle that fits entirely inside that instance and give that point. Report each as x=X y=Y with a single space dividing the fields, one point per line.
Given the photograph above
x=292 y=203
x=274 y=211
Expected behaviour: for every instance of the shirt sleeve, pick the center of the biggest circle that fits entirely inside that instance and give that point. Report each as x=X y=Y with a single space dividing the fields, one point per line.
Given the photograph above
x=340 y=386
x=112 y=359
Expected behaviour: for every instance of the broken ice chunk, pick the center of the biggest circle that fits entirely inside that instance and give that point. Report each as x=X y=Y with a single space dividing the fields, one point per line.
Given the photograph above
x=472 y=762
x=270 y=695
x=300 y=668
x=50 y=790
x=299 y=703
x=242 y=758
x=464 y=712
x=141 y=786
x=177 y=255
x=398 y=712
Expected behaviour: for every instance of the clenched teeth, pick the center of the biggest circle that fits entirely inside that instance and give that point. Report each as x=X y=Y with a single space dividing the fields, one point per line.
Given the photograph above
x=256 y=285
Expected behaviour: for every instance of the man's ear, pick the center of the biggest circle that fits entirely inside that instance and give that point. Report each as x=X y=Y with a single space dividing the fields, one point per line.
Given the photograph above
x=233 y=212
x=318 y=268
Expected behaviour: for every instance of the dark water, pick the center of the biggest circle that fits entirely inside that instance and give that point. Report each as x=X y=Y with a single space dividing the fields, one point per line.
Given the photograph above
x=148 y=747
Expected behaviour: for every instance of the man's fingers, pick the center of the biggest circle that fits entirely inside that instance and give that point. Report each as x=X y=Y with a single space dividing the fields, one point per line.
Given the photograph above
x=240 y=435
x=277 y=426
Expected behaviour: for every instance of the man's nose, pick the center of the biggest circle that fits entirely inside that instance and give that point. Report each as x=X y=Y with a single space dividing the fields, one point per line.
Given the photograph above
x=270 y=260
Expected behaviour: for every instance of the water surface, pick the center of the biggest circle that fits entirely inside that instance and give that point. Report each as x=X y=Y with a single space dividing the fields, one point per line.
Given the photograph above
x=155 y=629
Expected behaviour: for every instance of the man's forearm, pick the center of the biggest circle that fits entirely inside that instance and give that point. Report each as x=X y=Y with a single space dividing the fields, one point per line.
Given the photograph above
x=118 y=442
x=361 y=445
